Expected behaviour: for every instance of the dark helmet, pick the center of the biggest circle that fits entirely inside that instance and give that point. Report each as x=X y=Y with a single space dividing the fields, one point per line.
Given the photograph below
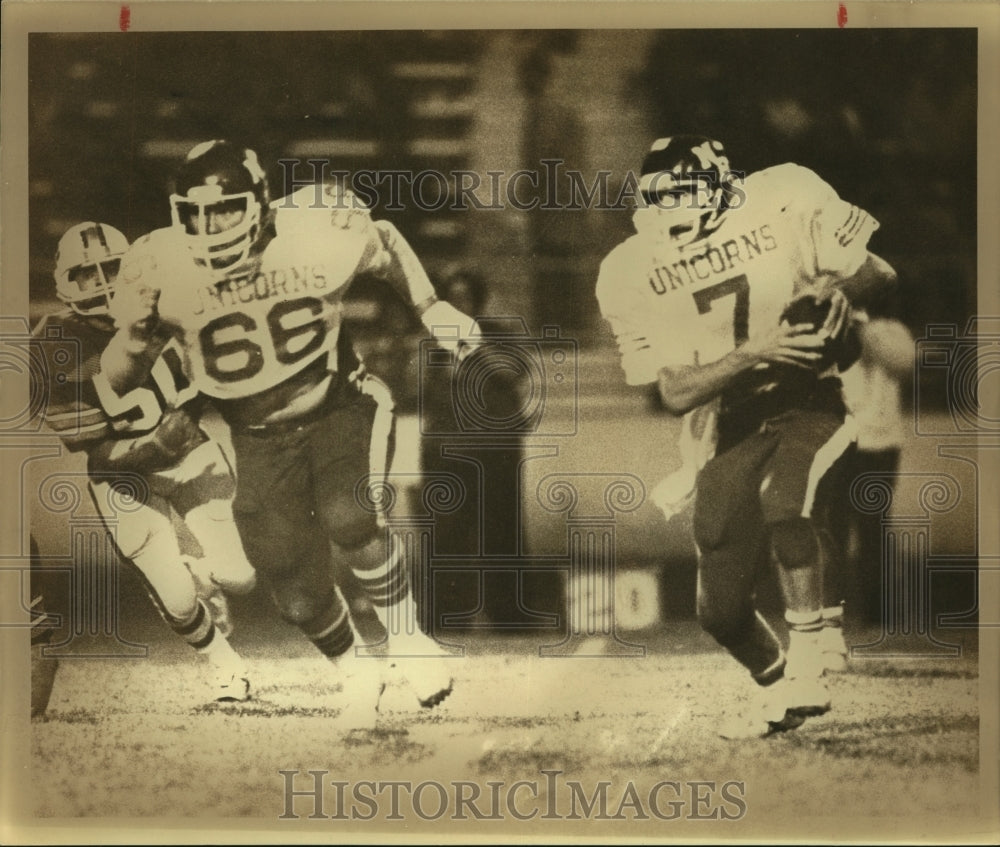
x=686 y=180
x=220 y=197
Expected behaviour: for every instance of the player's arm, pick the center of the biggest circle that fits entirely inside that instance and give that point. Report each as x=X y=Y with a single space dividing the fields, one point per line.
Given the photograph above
x=401 y=268
x=128 y=359
x=686 y=387
x=175 y=436
x=647 y=357
x=873 y=286
x=141 y=335
x=840 y=232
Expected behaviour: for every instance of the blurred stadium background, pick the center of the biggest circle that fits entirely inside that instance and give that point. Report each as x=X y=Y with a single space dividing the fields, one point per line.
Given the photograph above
x=888 y=117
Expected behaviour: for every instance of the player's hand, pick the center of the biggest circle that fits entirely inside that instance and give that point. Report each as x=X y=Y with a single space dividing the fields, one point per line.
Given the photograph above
x=471 y=342
x=178 y=433
x=838 y=316
x=137 y=311
x=790 y=344
x=454 y=330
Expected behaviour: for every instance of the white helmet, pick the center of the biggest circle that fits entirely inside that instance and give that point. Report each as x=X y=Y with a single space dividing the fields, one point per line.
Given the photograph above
x=87 y=262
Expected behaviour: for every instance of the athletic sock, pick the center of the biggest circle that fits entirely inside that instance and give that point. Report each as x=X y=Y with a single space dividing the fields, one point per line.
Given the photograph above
x=331 y=630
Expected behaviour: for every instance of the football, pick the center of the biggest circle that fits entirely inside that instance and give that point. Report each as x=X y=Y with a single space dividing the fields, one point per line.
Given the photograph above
x=813 y=309
x=807 y=309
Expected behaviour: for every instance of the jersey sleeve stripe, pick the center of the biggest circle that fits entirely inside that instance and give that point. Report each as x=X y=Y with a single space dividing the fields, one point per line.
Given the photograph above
x=851 y=219
x=76 y=415
x=60 y=427
x=855 y=225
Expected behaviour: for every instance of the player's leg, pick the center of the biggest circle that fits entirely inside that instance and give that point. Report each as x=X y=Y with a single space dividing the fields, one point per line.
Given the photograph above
x=283 y=540
x=145 y=537
x=353 y=445
x=830 y=518
x=729 y=535
x=732 y=544
x=204 y=499
x=204 y=485
x=810 y=444
x=289 y=549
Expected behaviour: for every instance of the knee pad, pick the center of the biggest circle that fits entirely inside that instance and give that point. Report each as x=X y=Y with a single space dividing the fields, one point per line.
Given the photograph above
x=795 y=543
x=354 y=532
x=299 y=604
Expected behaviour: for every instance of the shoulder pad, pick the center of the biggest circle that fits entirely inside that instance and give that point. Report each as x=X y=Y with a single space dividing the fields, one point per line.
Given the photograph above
x=790 y=187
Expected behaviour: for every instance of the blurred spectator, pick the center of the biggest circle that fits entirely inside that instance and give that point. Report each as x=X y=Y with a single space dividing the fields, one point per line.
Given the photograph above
x=486 y=524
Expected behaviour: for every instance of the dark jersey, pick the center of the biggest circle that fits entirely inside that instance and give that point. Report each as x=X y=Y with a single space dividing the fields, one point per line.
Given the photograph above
x=80 y=405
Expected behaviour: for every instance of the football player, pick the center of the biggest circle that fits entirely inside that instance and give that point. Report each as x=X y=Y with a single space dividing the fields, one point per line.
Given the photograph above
x=144 y=446
x=252 y=292
x=697 y=300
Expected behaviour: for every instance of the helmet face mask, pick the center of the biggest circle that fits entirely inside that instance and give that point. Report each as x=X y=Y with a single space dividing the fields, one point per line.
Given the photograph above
x=220 y=232
x=87 y=263
x=218 y=204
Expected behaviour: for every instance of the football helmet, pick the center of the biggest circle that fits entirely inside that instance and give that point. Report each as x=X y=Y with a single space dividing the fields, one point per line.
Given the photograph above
x=87 y=261
x=219 y=199
x=685 y=187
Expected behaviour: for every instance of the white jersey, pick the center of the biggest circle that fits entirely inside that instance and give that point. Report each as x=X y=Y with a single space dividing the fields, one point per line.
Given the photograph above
x=671 y=305
x=251 y=330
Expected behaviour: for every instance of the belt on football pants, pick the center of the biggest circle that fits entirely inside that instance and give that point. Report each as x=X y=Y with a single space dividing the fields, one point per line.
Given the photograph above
x=341 y=391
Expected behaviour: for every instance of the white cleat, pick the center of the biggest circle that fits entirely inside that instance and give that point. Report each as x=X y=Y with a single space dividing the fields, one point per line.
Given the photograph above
x=833 y=650
x=771 y=710
x=362 y=681
x=420 y=664
x=232 y=687
x=808 y=696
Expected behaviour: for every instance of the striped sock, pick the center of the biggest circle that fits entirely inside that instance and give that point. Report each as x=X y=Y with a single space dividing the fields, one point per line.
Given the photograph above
x=833 y=616
x=330 y=630
x=198 y=630
x=803 y=642
x=386 y=584
x=811 y=621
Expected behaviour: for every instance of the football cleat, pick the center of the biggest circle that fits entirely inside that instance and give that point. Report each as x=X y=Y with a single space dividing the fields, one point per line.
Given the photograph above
x=771 y=710
x=808 y=696
x=419 y=664
x=833 y=650
x=362 y=682
x=804 y=672
x=232 y=688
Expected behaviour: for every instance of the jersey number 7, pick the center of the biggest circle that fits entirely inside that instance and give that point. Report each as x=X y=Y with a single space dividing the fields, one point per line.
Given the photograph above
x=737 y=287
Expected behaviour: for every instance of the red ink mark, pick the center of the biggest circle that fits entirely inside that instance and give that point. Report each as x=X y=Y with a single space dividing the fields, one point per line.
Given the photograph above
x=125 y=18
x=842 y=16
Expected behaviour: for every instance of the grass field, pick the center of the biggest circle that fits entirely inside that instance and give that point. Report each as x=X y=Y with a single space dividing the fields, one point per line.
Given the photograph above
x=133 y=738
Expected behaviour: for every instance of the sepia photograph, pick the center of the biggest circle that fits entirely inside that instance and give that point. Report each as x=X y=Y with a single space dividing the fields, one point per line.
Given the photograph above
x=464 y=423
